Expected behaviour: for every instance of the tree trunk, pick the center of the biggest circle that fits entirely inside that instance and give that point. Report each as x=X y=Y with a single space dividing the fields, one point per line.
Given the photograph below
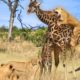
x=10 y=26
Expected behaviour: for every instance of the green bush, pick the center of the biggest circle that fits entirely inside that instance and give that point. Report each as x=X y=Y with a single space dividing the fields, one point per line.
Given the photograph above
x=16 y=32
x=35 y=36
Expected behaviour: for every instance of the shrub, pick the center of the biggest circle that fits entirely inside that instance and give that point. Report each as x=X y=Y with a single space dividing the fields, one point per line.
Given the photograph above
x=33 y=35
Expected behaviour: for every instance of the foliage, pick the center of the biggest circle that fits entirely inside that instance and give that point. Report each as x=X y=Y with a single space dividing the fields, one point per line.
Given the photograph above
x=3 y=31
x=33 y=35
x=36 y=36
x=16 y=32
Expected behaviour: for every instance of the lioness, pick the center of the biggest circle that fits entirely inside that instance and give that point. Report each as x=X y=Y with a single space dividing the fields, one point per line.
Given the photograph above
x=7 y=72
x=24 y=65
x=66 y=18
x=29 y=67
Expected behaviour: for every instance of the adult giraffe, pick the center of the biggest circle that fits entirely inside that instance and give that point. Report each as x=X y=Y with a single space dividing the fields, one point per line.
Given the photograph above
x=59 y=36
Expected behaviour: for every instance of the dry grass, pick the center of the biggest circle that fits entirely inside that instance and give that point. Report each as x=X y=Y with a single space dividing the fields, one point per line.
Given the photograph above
x=22 y=55
x=17 y=47
x=17 y=51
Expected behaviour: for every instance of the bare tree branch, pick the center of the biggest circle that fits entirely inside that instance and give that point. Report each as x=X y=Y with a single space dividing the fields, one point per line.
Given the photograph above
x=31 y=27
x=15 y=5
x=20 y=20
x=22 y=24
x=21 y=6
x=10 y=5
x=5 y=1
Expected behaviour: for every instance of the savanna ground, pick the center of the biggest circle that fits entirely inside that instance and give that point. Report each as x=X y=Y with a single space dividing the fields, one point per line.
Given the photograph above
x=23 y=55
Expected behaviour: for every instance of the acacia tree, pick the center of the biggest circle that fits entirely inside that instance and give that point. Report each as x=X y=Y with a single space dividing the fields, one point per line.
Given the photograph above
x=12 y=5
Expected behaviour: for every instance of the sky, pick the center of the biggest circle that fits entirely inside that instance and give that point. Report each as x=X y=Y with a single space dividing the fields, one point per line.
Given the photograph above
x=71 y=6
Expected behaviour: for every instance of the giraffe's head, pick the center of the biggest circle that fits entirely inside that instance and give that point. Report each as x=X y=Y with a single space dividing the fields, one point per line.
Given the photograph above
x=32 y=6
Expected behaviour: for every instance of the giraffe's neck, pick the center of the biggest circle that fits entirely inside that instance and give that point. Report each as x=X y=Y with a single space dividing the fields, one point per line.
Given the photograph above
x=44 y=16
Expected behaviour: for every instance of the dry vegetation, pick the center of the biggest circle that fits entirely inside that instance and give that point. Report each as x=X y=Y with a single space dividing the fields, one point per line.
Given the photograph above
x=23 y=56
x=17 y=50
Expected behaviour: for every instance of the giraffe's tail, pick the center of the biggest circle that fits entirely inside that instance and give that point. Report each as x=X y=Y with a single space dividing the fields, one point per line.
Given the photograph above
x=77 y=69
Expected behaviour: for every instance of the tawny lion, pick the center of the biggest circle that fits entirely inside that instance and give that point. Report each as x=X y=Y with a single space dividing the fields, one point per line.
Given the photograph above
x=66 y=18
x=7 y=72
x=24 y=65
x=30 y=67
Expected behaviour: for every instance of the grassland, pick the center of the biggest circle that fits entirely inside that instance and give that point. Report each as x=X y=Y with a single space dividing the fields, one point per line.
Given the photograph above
x=23 y=51
x=17 y=51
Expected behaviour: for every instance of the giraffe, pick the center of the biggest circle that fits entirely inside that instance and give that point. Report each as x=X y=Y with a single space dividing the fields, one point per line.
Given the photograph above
x=58 y=40
x=46 y=17
x=58 y=36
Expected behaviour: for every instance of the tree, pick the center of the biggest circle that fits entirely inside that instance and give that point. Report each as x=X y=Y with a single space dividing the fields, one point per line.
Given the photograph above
x=12 y=5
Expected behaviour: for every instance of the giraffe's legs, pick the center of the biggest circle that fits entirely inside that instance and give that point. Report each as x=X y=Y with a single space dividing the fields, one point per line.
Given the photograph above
x=50 y=67
x=46 y=60
x=65 y=63
x=49 y=63
x=55 y=72
x=72 y=54
x=65 y=66
x=56 y=58
x=42 y=69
